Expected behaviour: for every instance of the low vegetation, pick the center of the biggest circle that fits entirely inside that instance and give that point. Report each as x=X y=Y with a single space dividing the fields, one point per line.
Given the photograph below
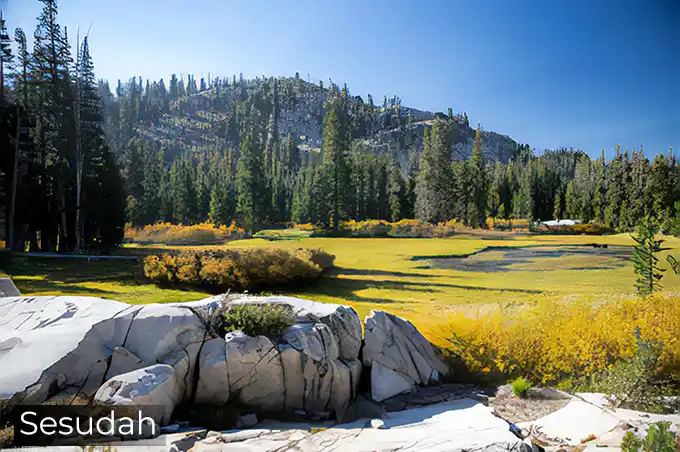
x=236 y=269
x=178 y=234
x=520 y=386
x=402 y=228
x=268 y=320
x=659 y=438
x=559 y=342
x=634 y=382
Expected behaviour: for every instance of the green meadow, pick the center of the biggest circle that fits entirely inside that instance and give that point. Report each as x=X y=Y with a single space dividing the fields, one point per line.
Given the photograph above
x=422 y=280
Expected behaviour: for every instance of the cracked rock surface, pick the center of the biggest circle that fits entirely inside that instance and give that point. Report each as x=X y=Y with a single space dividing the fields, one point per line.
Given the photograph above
x=79 y=345
x=399 y=356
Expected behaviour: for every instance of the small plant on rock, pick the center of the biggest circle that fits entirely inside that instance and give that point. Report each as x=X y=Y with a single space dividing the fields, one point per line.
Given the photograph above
x=270 y=320
x=520 y=386
x=659 y=439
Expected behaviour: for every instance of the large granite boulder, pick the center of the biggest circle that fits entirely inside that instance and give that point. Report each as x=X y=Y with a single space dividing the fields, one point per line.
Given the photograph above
x=399 y=356
x=36 y=332
x=80 y=342
x=86 y=344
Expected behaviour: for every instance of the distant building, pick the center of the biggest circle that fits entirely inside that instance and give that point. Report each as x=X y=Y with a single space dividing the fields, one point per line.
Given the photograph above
x=560 y=222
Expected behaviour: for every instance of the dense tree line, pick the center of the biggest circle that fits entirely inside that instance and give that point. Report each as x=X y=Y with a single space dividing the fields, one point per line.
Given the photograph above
x=68 y=135
x=61 y=187
x=267 y=180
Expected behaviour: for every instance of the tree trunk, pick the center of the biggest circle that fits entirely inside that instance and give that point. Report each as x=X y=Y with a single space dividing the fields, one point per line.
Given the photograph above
x=12 y=201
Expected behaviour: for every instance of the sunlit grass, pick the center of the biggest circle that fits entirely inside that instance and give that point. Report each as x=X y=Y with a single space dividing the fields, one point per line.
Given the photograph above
x=380 y=274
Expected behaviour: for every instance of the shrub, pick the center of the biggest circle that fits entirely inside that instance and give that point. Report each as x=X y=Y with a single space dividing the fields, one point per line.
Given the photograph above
x=520 y=386
x=659 y=438
x=555 y=341
x=236 y=269
x=501 y=224
x=304 y=227
x=580 y=228
x=412 y=228
x=6 y=437
x=445 y=229
x=368 y=228
x=402 y=228
x=632 y=383
x=178 y=234
x=264 y=319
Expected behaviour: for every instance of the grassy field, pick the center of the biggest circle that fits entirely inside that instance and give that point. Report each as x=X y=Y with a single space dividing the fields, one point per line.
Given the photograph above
x=420 y=279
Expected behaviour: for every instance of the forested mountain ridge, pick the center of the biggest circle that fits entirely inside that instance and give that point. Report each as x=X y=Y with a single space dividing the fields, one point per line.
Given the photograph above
x=78 y=161
x=206 y=115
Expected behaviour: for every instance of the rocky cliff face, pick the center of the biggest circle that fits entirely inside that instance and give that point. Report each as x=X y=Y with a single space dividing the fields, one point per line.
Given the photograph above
x=212 y=118
x=399 y=141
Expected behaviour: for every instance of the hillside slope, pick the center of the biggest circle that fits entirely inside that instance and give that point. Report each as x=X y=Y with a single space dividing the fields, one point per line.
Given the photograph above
x=210 y=119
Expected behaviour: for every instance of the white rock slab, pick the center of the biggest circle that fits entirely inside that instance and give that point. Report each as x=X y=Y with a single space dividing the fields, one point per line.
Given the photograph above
x=586 y=414
x=45 y=329
x=453 y=426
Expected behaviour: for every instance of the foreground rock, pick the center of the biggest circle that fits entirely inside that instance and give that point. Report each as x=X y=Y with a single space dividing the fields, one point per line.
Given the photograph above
x=156 y=386
x=45 y=329
x=399 y=356
x=108 y=350
x=451 y=426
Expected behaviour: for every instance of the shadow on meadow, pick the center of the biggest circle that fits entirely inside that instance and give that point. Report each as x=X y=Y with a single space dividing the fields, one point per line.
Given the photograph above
x=337 y=285
x=49 y=275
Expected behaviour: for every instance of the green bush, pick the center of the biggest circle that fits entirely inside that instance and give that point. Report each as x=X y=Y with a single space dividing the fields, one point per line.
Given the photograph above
x=264 y=319
x=659 y=439
x=236 y=269
x=520 y=386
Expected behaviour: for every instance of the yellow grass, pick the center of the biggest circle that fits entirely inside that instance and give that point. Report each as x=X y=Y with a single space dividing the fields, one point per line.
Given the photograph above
x=380 y=274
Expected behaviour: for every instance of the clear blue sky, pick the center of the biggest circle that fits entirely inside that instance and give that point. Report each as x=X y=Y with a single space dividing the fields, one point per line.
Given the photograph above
x=582 y=73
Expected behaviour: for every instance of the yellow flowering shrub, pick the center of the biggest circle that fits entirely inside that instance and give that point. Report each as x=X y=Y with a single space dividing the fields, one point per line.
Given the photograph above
x=553 y=341
x=304 y=226
x=501 y=224
x=236 y=269
x=178 y=234
x=445 y=229
x=401 y=228
x=368 y=228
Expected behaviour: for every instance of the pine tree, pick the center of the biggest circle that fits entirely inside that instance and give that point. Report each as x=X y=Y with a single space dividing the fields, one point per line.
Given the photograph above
x=55 y=124
x=396 y=190
x=600 y=194
x=249 y=182
x=480 y=188
x=571 y=201
x=358 y=181
x=616 y=189
x=645 y=262
x=659 y=190
x=411 y=180
x=335 y=167
x=6 y=59
x=435 y=179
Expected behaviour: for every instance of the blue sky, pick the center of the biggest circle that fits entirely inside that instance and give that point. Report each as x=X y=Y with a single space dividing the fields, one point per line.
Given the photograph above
x=582 y=73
